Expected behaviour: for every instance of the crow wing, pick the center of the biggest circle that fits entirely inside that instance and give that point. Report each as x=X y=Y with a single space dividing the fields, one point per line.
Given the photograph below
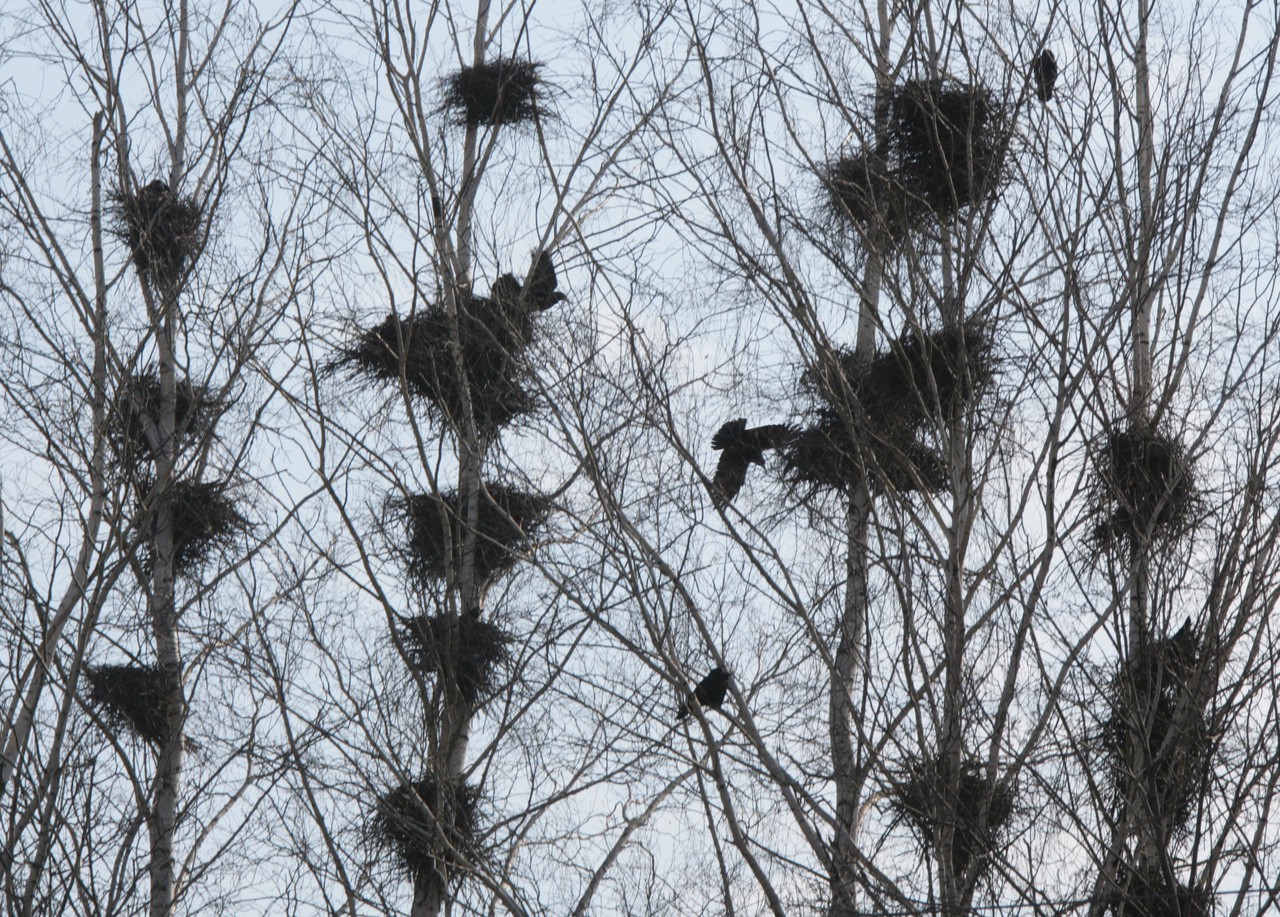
x=730 y=434
x=770 y=436
x=731 y=474
x=541 y=290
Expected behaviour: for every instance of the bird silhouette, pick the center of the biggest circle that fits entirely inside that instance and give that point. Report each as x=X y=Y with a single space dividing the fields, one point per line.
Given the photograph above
x=1044 y=70
x=739 y=448
x=709 y=693
x=540 y=292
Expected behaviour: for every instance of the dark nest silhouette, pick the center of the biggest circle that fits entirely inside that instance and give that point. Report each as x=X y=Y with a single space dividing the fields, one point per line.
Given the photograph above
x=865 y=192
x=204 y=519
x=493 y=333
x=1144 y=488
x=468 y=652
x=1149 y=891
x=924 y=799
x=506 y=522
x=505 y=90
x=134 y=428
x=162 y=230
x=950 y=140
x=1155 y=737
x=132 y=698
x=429 y=825
x=827 y=454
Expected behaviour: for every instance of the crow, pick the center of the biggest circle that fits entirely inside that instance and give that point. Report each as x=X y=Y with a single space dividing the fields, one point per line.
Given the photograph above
x=540 y=293
x=506 y=290
x=1044 y=70
x=709 y=693
x=740 y=447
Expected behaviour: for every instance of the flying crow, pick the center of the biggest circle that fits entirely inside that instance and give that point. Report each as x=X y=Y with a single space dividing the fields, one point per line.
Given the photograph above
x=709 y=693
x=1044 y=70
x=740 y=447
x=540 y=293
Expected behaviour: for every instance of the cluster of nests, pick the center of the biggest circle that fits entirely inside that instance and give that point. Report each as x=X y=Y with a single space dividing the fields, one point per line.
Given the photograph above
x=133 y=699
x=430 y=827
x=976 y=810
x=942 y=148
x=486 y=370
x=1144 y=488
x=164 y=231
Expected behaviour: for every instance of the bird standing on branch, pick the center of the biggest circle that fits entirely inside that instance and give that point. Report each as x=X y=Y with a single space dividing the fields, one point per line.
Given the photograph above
x=709 y=693
x=740 y=447
x=1044 y=70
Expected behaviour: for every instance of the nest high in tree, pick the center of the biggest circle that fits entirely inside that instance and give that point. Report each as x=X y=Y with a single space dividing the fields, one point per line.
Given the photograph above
x=493 y=333
x=1144 y=488
x=204 y=520
x=505 y=90
x=826 y=454
x=1155 y=733
x=162 y=230
x=950 y=140
x=506 y=523
x=133 y=698
x=429 y=825
x=465 y=650
x=134 y=430
x=864 y=191
x=922 y=797
x=1148 y=892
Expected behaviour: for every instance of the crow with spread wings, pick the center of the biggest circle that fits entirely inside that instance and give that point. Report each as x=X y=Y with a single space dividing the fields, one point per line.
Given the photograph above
x=739 y=448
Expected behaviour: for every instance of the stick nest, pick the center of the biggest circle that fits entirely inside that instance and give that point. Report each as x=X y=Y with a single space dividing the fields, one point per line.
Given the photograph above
x=1155 y=736
x=430 y=826
x=493 y=334
x=505 y=90
x=1144 y=488
x=468 y=652
x=506 y=523
x=923 y=799
x=205 y=520
x=865 y=192
x=133 y=698
x=134 y=428
x=1149 y=892
x=163 y=231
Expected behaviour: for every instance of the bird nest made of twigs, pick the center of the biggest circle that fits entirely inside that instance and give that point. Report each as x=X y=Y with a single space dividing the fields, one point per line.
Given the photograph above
x=1144 y=488
x=506 y=521
x=134 y=428
x=204 y=520
x=828 y=454
x=132 y=698
x=430 y=826
x=492 y=333
x=163 y=230
x=864 y=191
x=1149 y=891
x=1155 y=738
x=505 y=90
x=977 y=811
x=467 y=651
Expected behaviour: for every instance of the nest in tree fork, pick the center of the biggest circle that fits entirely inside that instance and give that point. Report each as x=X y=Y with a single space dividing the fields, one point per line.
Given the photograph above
x=506 y=522
x=1144 y=487
x=463 y=649
x=162 y=230
x=828 y=454
x=864 y=191
x=134 y=428
x=924 y=797
x=1149 y=892
x=1155 y=738
x=429 y=825
x=133 y=698
x=203 y=517
x=492 y=334
x=505 y=90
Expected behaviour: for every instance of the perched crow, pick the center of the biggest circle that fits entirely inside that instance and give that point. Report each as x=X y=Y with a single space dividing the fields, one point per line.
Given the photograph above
x=740 y=447
x=540 y=294
x=708 y=693
x=1044 y=70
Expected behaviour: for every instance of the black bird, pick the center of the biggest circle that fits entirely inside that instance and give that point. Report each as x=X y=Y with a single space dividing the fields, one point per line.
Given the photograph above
x=709 y=693
x=540 y=293
x=1044 y=70
x=740 y=447
x=506 y=290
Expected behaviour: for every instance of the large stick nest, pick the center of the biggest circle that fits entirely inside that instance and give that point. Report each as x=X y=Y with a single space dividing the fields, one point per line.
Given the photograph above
x=506 y=522
x=924 y=798
x=430 y=826
x=204 y=519
x=1155 y=738
x=1149 y=892
x=827 y=454
x=1144 y=488
x=134 y=428
x=505 y=90
x=468 y=652
x=163 y=231
x=133 y=698
x=865 y=192
x=492 y=332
